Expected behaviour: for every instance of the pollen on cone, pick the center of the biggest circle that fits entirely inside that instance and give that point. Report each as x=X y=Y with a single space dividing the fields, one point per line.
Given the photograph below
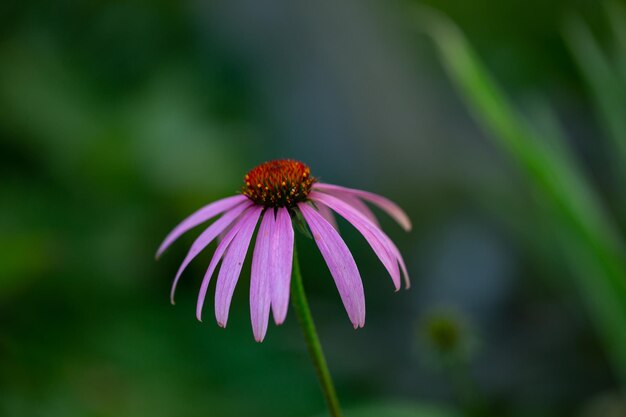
x=278 y=183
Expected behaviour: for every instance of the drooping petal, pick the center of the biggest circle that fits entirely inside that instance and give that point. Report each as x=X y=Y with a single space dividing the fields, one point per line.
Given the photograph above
x=398 y=255
x=361 y=207
x=340 y=262
x=260 y=275
x=200 y=216
x=220 y=237
x=383 y=203
x=206 y=238
x=328 y=215
x=232 y=264
x=222 y=247
x=374 y=236
x=281 y=257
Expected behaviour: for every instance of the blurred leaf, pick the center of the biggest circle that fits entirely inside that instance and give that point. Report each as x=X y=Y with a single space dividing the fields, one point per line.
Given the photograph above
x=607 y=86
x=616 y=14
x=594 y=249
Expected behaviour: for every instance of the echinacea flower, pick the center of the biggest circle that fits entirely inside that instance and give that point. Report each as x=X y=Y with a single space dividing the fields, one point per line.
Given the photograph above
x=274 y=192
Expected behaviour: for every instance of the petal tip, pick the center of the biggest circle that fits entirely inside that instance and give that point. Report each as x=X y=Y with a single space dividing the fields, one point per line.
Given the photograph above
x=159 y=252
x=280 y=318
x=359 y=325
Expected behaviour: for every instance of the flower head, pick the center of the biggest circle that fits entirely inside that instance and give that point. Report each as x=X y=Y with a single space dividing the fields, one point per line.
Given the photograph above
x=279 y=183
x=273 y=192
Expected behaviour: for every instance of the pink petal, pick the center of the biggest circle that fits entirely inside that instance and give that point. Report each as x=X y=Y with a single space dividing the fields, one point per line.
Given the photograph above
x=328 y=215
x=383 y=203
x=260 y=276
x=232 y=264
x=217 y=256
x=372 y=233
x=340 y=262
x=281 y=261
x=205 y=213
x=405 y=273
x=360 y=206
x=206 y=238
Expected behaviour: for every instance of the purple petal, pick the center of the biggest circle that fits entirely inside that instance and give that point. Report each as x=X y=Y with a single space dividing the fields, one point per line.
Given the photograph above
x=281 y=259
x=217 y=256
x=360 y=206
x=328 y=215
x=260 y=276
x=340 y=262
x=206 y=238
x=398 y=256
x=383 y=203
x=372 y=233
x=232 y=264
x=205 y=213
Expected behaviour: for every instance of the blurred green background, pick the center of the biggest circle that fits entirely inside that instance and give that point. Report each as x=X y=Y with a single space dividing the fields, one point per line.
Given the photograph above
x=499 y=126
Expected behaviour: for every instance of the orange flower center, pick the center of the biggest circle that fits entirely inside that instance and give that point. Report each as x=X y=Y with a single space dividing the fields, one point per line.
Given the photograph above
x=278 y=183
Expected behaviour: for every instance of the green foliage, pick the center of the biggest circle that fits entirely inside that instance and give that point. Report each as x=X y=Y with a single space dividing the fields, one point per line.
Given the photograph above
x=605 y=74
x=586 y=232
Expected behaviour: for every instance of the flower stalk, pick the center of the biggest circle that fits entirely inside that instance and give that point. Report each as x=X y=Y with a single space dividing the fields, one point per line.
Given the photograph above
x=301 y=307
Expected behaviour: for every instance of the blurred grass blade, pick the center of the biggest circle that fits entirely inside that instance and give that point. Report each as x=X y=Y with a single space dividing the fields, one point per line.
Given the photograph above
x=588 y=237
x=606 y=85
x=544 y=124
x=616 y=14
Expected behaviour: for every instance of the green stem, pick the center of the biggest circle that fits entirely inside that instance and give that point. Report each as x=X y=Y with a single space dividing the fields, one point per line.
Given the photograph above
x=301 y=306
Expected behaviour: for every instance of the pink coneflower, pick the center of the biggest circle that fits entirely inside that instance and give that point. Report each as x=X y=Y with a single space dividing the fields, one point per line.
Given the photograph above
x=274 y=193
